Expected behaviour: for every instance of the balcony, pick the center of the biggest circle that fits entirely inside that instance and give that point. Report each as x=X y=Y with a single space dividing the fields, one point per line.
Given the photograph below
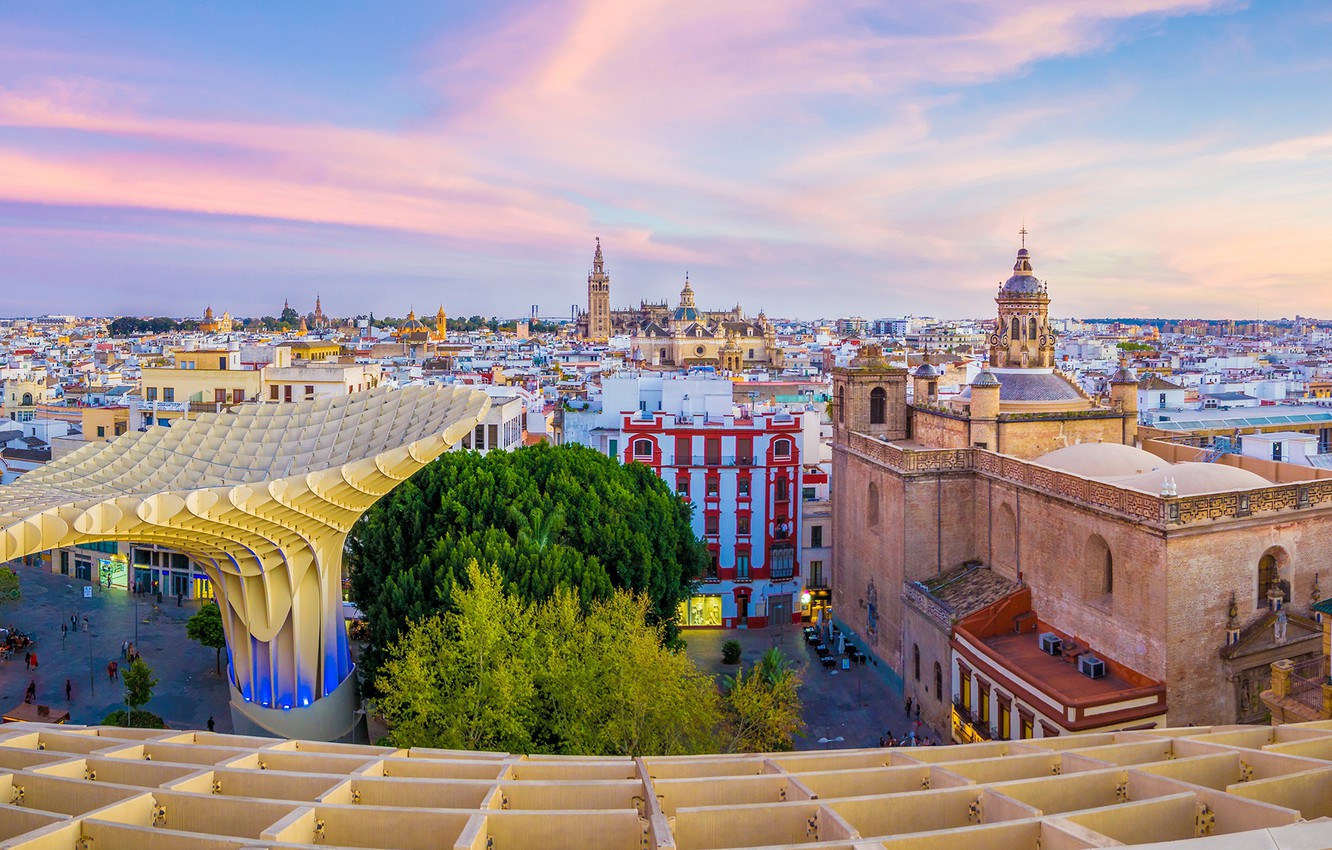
x=715 y=460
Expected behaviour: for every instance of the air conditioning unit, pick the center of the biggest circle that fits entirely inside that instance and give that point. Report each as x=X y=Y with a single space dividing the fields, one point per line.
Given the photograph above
x=1050 y=643
x=1091 y=666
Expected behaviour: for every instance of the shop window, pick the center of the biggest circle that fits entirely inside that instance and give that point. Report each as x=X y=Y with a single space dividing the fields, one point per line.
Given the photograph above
x=701 y=610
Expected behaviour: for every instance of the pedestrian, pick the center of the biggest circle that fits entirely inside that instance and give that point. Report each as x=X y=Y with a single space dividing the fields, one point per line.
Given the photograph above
x=908 y=707
x=917 y=712
x=210 y=723
x=33 y=659
x=27 y=660
x=85 y=623
x=31 y=694
x=124 y=649
x=64 y=630
x=69 y=690
x=880 y=742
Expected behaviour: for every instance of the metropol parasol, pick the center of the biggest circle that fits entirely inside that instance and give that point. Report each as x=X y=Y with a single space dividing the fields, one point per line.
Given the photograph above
x=262 y=497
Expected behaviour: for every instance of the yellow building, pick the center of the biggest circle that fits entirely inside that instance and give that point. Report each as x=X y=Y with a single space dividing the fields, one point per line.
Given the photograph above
x=202 y=380
x=211 y=325
x=104 y=423
x=22 y=399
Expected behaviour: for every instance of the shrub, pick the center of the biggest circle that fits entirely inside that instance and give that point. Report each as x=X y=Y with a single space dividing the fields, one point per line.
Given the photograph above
x=731 y=652
x=142 y=719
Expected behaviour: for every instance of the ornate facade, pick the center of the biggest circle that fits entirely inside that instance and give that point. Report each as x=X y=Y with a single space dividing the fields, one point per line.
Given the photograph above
x=1129 y=557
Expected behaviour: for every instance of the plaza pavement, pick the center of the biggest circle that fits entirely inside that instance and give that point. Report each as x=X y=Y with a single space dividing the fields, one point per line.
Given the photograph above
x=857 y=705
x=187 y=693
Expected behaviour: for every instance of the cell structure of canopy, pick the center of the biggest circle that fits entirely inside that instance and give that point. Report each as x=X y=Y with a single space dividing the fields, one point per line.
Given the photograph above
x=262 y=498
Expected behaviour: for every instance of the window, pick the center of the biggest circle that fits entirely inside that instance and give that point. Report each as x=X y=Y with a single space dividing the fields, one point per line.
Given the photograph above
x=742 y=524
x=781 y=448
x=1025 y=729
x=1005 y=722
x=682 y=488
x=744 y=451
x=878 y=406
x=714 y=486
x=742 y=487
x=1031 y=328
x=816 y=536
x=643 y=448
x=492 y=431
x=309 y=390
x=222 y=363
x=983 y=703
x=841 y=404
x=237 y=396
x=273 y=393
x=781 y=561
x=781 y=488
x=169 y=394
x=816 y=574
x=286 y=392
x=1017 y=329
x=712 y=565
x=938 y=682
x=614 y=450
x=101 y=430
x=684 y=451
x=807 y=494
x=712 y=451
x=1276 y=451
x=711 y=524
x=742 y=565
x=1269 y=576
x=1098 y=571
x=872 y=505
x=964 y=691
x=219 y=396
x=915 y=660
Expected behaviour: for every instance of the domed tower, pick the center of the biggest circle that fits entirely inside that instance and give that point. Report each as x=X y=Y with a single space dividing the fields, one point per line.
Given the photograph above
x=1023 y=337
x=598 y=298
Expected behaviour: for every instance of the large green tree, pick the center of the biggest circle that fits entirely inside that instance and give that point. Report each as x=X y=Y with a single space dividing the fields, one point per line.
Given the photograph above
x=546 y=517
x=762 y=707
x=500 y=673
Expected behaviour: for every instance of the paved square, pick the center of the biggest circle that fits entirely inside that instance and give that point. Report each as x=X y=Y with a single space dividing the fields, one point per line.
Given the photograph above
x=187 y=693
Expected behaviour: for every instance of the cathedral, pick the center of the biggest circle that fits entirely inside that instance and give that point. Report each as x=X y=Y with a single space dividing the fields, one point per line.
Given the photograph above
x=1024 y=567
x=681 y=338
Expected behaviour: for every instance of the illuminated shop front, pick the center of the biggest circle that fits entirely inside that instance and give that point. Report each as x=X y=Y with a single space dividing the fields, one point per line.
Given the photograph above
x=701 y=610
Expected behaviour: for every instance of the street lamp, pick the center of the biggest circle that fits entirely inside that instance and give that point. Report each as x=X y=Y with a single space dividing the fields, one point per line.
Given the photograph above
x=827 y=741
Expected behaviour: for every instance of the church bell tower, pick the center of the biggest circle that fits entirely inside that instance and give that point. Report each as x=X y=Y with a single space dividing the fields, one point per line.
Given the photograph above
x=598 y=298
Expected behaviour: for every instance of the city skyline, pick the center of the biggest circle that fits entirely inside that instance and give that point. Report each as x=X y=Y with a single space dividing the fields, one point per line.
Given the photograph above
x=1167 y=155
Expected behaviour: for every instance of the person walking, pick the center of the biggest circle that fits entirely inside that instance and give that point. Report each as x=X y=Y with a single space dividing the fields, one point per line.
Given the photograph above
x=33 y=658
x=69 y=691
x=210 y=723
x=27 y=660
x=124 y=649
x=31 y=694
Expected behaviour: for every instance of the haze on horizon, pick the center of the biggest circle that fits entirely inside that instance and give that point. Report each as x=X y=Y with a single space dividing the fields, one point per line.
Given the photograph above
x=1170 y=157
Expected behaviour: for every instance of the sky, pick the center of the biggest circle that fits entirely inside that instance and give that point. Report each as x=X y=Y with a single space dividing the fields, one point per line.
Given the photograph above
x=812 y=159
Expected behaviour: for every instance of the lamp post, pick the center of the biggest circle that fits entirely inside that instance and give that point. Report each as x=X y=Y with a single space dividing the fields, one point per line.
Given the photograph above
x=827 y=741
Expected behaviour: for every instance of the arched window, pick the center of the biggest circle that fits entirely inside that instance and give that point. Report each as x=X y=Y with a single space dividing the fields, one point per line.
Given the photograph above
x=1269 y=575
x=878 y=406
x=841 y=404
x=643 y=448
x=872 y=506
x=938 y=682
x=27 y=399
x=915 y=659
x=1031 y=329
x=1098 y=567
x=1017 y=328
x=781 y=448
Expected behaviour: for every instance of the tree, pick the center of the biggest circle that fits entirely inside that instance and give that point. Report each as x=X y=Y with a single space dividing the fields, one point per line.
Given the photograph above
x=547 y=517
x=139 y=683
x=502 y=674
x=762 y=707
x=206 y=628
x=463 y=680
x=9 y=585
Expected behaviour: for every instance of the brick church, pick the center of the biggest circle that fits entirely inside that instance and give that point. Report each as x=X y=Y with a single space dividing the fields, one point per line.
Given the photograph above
x=1024 y=568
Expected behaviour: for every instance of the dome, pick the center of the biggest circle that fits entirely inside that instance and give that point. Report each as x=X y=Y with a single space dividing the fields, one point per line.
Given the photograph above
x=986 y=378
x=1124 y=375
x=1023 y=282
x=1104 y=460
x=1191 y=479
x=925 y=370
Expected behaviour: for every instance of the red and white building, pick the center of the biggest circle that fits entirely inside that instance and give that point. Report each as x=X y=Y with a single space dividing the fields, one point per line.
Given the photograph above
x=742 y=469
